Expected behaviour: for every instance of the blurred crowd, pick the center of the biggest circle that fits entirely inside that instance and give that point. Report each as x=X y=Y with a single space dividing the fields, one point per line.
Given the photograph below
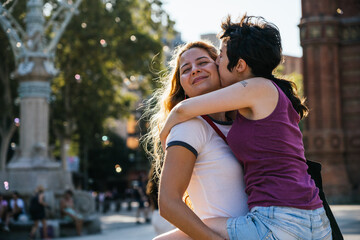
x=140 y=196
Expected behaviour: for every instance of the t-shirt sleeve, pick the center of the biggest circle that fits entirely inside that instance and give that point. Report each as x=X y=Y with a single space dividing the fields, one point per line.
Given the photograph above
x=190 y=134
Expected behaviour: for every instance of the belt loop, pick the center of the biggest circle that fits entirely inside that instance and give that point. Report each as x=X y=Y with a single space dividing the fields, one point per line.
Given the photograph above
x=271 y=212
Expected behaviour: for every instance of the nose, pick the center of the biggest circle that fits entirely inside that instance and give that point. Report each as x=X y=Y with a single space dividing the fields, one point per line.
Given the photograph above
x=217 y=60
x=195 y=70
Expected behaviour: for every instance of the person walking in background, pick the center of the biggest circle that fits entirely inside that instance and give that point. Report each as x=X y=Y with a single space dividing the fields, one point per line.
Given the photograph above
x=160 y=224
x=67 y=208
x=37 y=212
x=141 y=198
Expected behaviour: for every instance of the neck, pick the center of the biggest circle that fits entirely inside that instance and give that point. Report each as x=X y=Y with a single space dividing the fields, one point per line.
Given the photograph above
x=218 y=116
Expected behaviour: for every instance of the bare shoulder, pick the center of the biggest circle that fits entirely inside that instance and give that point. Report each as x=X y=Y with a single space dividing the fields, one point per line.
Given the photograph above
x=258 y=81
x=258 y=85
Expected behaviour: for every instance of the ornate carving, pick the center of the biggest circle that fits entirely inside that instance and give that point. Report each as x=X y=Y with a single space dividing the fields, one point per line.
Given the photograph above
x=351 y=33
x=315 y=31
x=355 y=141
x=319 y=142
x=84 y=203
x=330 y=31
x=49 y=68
x=335 y=141
x=25 y=67
x=34 y=89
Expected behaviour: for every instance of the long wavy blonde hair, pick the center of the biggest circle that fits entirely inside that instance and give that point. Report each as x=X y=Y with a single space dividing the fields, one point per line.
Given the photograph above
x=164 y=99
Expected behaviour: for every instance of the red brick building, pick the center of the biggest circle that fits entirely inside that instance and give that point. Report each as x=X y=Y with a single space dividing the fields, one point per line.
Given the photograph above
x=330 y=37
x=292 y=64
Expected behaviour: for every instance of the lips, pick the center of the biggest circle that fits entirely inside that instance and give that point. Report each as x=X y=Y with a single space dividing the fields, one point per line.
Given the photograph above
x=199 y=79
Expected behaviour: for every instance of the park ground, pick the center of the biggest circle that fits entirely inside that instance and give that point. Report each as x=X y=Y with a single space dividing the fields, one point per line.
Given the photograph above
x=123 y=225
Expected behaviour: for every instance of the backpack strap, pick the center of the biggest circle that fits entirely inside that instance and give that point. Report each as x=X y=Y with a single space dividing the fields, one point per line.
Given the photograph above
x=212 y=124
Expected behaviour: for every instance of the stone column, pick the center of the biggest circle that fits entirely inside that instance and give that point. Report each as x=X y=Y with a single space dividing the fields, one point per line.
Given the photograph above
x=326 y=132
x=32 y=164
x=34 y=92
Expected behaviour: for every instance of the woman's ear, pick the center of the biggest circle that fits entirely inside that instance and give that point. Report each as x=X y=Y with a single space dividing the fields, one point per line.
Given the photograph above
x=241 y=66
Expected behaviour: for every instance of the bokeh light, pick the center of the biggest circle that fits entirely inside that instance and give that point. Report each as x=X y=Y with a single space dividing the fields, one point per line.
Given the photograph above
x=103 y=42
x=133 y=38
x=118 y=169
x=6 y=185
x=78 y=78
x=17 y=122
x=339 y=11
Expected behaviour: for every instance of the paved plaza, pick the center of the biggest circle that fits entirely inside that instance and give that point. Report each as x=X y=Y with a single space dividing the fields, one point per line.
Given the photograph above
x=123 y=226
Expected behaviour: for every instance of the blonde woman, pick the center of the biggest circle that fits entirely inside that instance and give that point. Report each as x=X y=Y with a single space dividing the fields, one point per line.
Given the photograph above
x=196 y=159
x=37 y=212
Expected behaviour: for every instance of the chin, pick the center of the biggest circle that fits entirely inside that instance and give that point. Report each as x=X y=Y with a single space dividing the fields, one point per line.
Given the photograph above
x=223 y=85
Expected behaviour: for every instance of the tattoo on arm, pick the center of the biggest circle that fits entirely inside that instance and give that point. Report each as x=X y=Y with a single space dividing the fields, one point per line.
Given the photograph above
x=244 y=83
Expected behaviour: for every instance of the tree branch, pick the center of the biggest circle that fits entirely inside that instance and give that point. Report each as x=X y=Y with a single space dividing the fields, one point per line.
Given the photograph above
x=12 y=6
x=5 y=140
x=6 y=21
x=59 y=33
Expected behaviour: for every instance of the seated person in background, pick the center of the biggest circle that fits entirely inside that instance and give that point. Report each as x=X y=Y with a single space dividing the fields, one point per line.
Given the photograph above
x=16 y=209
x=68 y=211
x=3 y=212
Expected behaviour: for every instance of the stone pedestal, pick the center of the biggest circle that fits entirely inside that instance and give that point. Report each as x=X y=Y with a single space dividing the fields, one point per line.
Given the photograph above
x=25 y=181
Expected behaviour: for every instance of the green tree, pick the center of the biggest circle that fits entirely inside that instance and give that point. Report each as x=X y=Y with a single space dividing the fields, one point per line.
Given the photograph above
x=8 y=110
x=107 y=46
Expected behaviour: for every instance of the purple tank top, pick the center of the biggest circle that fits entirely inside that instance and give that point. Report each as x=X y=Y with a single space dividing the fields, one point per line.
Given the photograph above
x=272 y=154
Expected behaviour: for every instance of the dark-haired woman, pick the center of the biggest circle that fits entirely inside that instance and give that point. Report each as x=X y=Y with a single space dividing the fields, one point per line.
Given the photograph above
x=282 y=198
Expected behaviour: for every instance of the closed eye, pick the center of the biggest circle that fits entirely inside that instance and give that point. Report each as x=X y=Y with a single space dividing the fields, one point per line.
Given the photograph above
x=185 y=70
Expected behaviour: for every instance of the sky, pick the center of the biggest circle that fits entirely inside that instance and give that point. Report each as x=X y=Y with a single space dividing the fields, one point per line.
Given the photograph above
x=196 y=17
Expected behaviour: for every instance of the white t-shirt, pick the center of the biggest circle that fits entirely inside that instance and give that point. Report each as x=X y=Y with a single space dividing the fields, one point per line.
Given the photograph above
x=217 y=187
x=19 y=202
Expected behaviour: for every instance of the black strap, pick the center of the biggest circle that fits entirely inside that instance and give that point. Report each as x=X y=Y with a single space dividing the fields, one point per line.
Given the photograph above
x=314 y=170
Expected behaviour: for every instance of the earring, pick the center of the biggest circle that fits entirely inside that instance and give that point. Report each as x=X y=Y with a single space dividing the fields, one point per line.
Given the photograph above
x=186 y=96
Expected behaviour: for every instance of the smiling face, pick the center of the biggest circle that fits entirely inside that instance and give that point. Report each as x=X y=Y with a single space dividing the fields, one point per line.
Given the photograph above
x=198 y=72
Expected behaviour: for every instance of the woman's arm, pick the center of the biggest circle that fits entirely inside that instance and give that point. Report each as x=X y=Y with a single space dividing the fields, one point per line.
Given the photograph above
x=175 y=178
x=41 y=200
x=240 y=95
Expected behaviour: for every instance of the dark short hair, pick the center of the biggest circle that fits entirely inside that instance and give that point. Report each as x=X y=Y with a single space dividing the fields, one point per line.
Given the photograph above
x=258 y=43
x=254 y=40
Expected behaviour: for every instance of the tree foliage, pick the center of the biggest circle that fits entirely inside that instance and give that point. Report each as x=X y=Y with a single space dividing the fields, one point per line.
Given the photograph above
x=108 y=46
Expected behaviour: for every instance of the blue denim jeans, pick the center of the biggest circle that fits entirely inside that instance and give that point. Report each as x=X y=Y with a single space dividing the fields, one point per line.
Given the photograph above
x=280 y=223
